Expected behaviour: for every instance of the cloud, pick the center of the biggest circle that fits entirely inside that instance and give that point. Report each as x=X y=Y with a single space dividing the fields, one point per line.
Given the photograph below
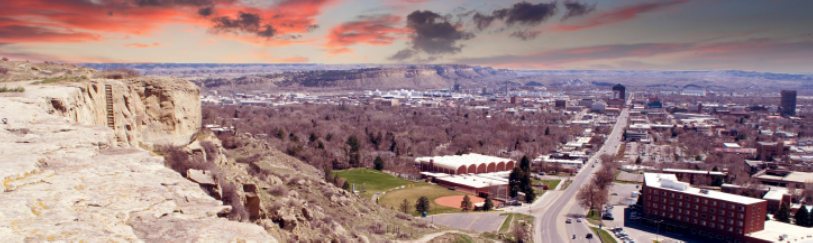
x=368 y=29
x=140 y=45
x=525 y=35
x=433 y=34
x=206 y=12
x=402 y=55
x=575 y=9
x=245 y=23
x=522 y=13
x=171 y=3
x=620 y=15
x=731 y=55
x=26 y=33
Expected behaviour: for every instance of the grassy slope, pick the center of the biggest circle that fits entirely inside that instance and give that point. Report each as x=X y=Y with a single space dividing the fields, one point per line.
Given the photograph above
x=605 y=236
x=374 y=181
x=411 y=194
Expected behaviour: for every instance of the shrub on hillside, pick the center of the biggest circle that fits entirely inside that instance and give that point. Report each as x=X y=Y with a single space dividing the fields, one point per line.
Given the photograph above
x=403 y=216
x=232 y=198
x=118 y=73
x=211 y=150
x=249 y=159
x=278 y=191
x=3 y=70
x=179 y=161
x=5 y=59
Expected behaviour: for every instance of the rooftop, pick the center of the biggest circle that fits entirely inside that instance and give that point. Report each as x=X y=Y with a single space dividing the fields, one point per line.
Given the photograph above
x=473 y=181
x=774 y=229
x=455 y=161
x=670 y=182
x=701 y=172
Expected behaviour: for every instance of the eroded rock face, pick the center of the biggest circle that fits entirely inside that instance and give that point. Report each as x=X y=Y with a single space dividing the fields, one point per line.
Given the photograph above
x=64 y=181
x=152 y=111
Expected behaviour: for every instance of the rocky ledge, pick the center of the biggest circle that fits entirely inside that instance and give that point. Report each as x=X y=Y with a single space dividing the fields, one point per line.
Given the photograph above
x=64 y=181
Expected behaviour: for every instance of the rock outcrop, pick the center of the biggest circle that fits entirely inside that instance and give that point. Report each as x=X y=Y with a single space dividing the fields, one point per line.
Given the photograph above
x=64 y=178
x=144 y=110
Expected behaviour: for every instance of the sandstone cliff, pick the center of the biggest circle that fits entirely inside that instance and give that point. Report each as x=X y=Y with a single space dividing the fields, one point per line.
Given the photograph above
x=64 y=178
x=142 y=110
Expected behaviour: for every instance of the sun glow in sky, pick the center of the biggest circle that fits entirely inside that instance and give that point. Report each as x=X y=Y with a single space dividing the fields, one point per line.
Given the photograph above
x=760 y=35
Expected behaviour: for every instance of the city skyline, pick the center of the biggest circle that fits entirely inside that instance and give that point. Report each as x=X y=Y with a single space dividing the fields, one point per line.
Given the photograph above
x=766 y=36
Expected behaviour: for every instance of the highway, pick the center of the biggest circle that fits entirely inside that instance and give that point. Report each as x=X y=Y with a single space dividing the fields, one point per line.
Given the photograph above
x=551 y=222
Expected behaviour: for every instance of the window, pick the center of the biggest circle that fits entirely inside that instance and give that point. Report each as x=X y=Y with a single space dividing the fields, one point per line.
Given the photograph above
x=730 y=214
x=739 y=223
x=703 y=209
x=648 y=197
x=671 y=194
x=647 y=211
x=656 y=198
x=663 y=214
x=696 y=200
x=722 y=220
x=650 y=190
x=671 y=201
x=663 y=207
x=731 y=206
x=739 y=231
x=720 y=226
x=711 y=225
x=702 y=215
x=759 y=210
x=663 y=193
x=688 y=197
x=663 y=200
x=695 y=214
x=680 y=196
x=671 y=216
x=712 y=217
x=741 y=208
x=680 y=203
x=730 y=221
x=678 y=217
x=686 y=219
x=730 y=229
x=739 y=216
x=694 y=221
x=713 y=203
x=695 y=206
x=687 y=212
x=703 y=223
x=722 y=204
x=705 y=201
x=712 y=210
x=655 y=205
x=722 y=212
x=678 y=210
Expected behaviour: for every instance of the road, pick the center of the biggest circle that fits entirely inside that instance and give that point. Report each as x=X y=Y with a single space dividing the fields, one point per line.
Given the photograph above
x=552 y=226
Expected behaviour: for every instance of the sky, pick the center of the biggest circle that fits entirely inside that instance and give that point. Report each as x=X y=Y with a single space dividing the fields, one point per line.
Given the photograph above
x=754 y=35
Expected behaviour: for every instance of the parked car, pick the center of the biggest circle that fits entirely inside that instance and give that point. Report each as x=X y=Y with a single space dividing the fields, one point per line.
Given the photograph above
x=608 y=217
x=589 y=236
x=568 y=220
x=578 y=220
x=614 y=194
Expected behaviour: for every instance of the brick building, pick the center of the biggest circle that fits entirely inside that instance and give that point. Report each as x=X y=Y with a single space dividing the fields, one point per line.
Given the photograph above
x=464 y=164
x=684 y=209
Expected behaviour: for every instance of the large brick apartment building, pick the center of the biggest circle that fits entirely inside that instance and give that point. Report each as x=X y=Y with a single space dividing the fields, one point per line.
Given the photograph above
x=723 y=216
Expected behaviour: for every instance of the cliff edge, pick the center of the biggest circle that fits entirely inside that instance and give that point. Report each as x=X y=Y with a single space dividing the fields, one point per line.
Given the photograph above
x=66 y=177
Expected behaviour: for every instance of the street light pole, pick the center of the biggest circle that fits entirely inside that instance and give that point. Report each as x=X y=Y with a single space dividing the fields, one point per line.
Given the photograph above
x=657 y=236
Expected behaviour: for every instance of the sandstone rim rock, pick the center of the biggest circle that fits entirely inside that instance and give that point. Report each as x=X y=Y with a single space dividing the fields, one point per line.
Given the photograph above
x=66 y=179
x=149 y=111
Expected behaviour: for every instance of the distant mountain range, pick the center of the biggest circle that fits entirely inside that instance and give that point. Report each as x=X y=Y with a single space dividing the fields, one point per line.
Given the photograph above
x=383 y=76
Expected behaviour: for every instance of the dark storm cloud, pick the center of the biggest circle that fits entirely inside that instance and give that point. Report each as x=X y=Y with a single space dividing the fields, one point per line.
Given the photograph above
x=434 y=34
x=575 y=9
x=206 y=12
x=522 y=13
x=243 y=22
x=525 y=35
x=402 y=55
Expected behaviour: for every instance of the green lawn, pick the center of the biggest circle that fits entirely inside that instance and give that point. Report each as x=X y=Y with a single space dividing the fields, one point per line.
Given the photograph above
x=513 y=218
x=394 y=198
x=373 y=181
x=551 y=183
x=605 y=236
x=567 y=185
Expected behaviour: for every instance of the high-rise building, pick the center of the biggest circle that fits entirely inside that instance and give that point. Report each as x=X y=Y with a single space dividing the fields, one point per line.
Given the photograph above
x=619 y=92
x=788 y=103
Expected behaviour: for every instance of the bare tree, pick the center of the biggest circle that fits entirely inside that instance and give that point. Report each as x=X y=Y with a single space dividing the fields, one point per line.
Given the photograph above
x=591 y=196
x=405 y=206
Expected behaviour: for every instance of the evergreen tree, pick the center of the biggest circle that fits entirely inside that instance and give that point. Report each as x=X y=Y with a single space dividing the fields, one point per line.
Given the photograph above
x=718 y=181
x=488 y=205
x=638 y=160
x=355 y=147
x=514 y=181
x=404 y=207
x=802 y=217
x=346 y=186
x=715 y=168
x=422 y=205
x=328 y=168
x=530 y=195
x=783 y=214
x=525 y=164
x=379 y=163
x=547 y=131
x=466 y=204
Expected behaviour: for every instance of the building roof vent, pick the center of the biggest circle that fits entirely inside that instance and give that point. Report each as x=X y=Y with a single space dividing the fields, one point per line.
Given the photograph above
x=704 y=191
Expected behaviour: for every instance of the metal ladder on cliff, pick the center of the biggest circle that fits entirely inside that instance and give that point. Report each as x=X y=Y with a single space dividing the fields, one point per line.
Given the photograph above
x=108 y=93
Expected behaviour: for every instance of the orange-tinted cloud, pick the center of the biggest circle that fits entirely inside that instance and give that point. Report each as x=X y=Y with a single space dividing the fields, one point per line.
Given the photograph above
x=140 y=45
x=86 y=20
x=619 y=15
x=372 y=29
